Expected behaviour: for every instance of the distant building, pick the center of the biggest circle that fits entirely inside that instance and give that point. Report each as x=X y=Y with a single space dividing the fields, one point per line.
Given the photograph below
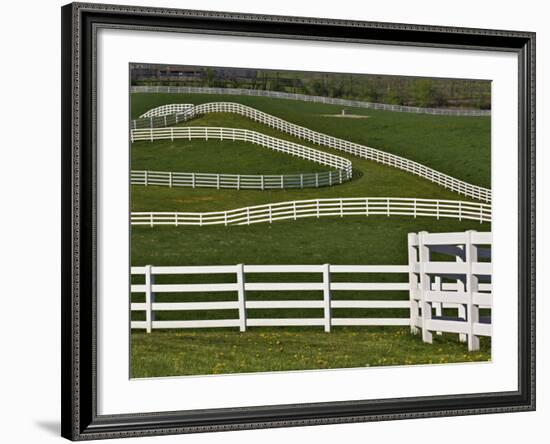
x=166 y=73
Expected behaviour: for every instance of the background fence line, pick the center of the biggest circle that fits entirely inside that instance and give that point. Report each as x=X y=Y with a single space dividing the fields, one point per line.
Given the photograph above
x=309 y=98
x=365 y=152
x=293 y=210
x=236 y=181
x=343 y=165
x=461 y=286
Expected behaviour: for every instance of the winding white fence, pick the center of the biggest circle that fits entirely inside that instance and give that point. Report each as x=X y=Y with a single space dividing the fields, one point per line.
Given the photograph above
x=236 y=181
x=218 y=133
x=308 y=98
x=352 y=206
x=455 y=290
x=165 y=110
x=463 y=284
x=365 y=152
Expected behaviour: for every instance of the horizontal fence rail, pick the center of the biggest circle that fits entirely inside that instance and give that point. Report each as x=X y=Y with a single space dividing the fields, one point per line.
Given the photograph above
x=239 y=287
x=341 y=164
x=463 y=283
x=139 y=127
x=293 y=210
x=309 y=98
x=236 y=181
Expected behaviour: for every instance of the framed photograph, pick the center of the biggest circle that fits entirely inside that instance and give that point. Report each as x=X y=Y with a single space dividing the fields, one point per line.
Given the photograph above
x=279 y=221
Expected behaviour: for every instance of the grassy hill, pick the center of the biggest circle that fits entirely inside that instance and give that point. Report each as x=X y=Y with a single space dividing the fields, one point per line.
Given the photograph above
x=459 y=146
x=370 y=178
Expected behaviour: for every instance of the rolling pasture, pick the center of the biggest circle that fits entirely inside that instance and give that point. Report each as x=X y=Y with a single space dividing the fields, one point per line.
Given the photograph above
x=459 y=146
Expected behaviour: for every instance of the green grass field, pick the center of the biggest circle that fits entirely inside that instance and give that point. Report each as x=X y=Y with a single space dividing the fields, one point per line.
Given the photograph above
x=456 y=145
x=216 y=156
x=370 y=178
x=267 y=350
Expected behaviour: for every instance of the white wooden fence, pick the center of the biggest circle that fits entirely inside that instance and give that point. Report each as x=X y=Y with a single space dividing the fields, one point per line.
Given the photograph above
x=236 y=181
x=462 y=286
x=218 y=133
x=363 y=151
x=240 y=287
x=293 y=210
x=308 y=98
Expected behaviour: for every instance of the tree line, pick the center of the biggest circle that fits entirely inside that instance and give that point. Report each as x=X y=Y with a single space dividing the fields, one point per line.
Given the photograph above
x=398 y=90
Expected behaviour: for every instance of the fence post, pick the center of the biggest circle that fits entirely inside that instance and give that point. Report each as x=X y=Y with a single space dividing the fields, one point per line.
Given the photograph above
x=316 y=180
x=461 y=308
x=301 y=181
x=426 y=307
x=193 y=179
x=241 y=297
x=146 y=177
x=472 y=311
x=326 y=297
x=172 y=133
x=149 y=298
x=413 y=283
x=170 y=178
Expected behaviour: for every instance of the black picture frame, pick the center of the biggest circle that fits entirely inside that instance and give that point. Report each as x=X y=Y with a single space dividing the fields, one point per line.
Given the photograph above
x=80 y=420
